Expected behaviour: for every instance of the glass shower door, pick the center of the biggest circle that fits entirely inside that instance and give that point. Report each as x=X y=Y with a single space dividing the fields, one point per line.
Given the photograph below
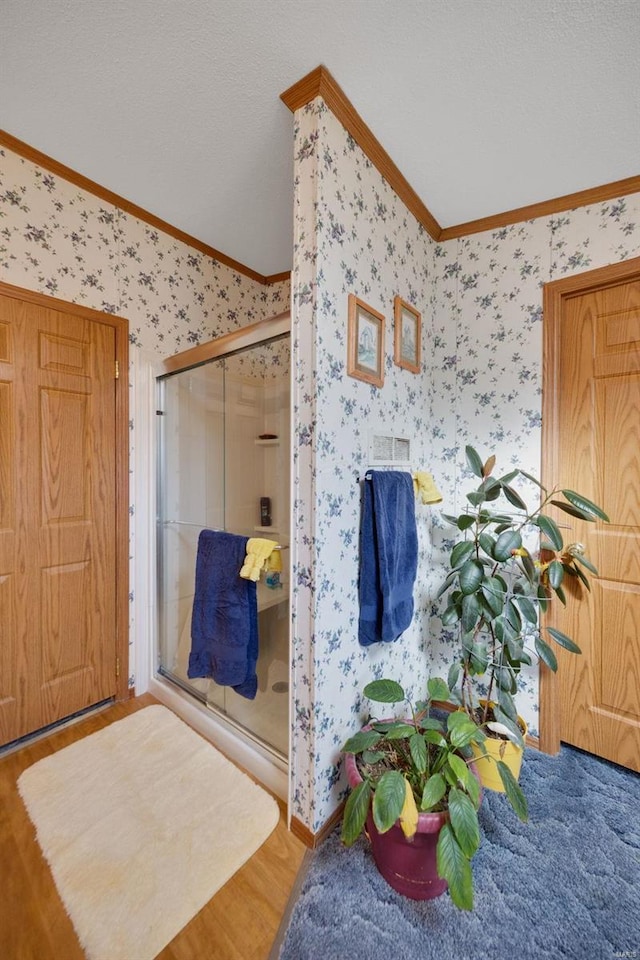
x=224 y=447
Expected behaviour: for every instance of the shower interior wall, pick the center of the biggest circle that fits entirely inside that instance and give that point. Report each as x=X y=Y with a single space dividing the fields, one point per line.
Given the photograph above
x=215 y=469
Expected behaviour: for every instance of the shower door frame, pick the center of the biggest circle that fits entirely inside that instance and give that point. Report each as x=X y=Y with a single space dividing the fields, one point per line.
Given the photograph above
x=218 y=349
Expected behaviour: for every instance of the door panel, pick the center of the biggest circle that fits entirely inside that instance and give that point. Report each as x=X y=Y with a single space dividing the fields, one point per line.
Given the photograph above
x=599 y=447
x=57 y=515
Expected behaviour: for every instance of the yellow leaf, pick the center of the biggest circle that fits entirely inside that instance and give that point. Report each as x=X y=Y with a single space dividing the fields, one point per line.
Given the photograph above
x=409 y=814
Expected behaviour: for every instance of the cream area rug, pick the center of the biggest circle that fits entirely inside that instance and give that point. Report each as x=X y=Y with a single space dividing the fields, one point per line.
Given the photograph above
x=141 y=823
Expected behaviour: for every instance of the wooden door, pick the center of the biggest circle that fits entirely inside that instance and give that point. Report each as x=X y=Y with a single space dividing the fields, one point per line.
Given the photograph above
x=597 y=442
x=57 y=515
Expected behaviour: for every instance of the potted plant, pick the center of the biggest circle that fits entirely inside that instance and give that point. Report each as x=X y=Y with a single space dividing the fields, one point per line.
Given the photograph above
x=415 y=793
x=495 y=590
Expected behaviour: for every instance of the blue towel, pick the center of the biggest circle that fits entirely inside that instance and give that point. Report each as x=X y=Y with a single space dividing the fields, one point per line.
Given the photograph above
x=224 y=624
x=388 y=556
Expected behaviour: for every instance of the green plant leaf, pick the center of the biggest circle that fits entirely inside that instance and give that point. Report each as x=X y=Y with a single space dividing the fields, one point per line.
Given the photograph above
x=503 y=629
x=555 y=570
x=451 y=576
x=471 y=611
x=487 y=542
x=453 y=676
x=454 y=867
x=449 y=518
x=580 y=558
x=543 y=600
x=479 y=658
x=577 y=572
x=546 y=654
x=533 y=480
x=529 y=569
x=514 y=497
x=438 y=688
x=471 y=576
x=435 y=736
x=464 y=521
x=460 y=770
x=461 y=552
x=363 y=740
x=355 y=812
x=464 y=821
x=508 y=477
x=510 y=725
x=434 y=790
x=506 y=678
x=507 y=705
x=384 y=691
x=493 y=599
x=551 y=531
x=388 y=800
x=506 y=543
x=418 y=749
x=587 y=506
x=564 y=640
x=528 y=610
x=462 y=730
x=560 y=594
x=473 y=461
x=573 y=511
x=451 y=615
x=399 y=730
x=514 y=794
x=372 y=756
x=476 y=497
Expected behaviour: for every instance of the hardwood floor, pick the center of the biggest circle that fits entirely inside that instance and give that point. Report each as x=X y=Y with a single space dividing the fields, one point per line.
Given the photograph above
x=239 y=923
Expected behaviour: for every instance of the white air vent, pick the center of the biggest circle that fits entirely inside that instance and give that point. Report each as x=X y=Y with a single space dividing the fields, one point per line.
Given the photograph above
x=386 y=451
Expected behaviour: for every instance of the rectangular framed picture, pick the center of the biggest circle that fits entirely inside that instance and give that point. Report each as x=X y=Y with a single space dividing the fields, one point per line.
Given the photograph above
x=407 y=323
x=365 y=343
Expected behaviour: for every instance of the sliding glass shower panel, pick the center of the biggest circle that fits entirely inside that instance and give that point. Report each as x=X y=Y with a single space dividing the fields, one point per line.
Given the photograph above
x=224 y=448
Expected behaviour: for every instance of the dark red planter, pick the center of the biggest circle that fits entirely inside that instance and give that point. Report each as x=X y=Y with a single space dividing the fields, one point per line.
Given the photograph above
x=409 y=866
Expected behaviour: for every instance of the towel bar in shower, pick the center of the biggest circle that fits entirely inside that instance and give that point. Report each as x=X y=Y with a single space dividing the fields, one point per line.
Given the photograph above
x=204 y=526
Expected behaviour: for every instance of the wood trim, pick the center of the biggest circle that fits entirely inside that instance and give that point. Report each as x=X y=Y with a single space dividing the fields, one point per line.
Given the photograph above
x=313 y=840
x=277 y=277
x=84 y=183
x=122 y=459
x=236 y=340
x=320 y=83
x=606 y=191
x=554 y=295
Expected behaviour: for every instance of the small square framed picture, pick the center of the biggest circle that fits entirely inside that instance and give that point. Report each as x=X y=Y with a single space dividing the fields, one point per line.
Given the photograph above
x=365 y=343
x=407 y=324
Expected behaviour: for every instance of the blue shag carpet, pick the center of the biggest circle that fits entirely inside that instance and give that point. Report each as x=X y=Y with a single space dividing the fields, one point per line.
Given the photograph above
x=567 y=884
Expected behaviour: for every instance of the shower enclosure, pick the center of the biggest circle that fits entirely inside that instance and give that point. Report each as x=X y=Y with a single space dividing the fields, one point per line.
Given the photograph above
x=223 y=442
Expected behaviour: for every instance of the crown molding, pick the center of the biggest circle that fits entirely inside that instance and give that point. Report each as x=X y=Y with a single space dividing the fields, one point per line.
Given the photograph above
x=583 y=198
x=320 y=83
x=72 y=176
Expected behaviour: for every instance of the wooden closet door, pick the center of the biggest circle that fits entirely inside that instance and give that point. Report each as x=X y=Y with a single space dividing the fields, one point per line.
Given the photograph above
x=57 y=515
x=599 y=444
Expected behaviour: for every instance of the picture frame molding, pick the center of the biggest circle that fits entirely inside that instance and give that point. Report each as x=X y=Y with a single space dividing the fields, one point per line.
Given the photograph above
x=400 y=307
x=355 y=367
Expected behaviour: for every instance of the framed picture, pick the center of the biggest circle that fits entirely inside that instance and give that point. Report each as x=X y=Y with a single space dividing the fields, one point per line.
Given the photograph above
x=407 y=324
x=365 y=343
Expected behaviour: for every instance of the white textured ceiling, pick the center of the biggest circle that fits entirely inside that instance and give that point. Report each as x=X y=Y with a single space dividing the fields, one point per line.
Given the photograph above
x=484 y=105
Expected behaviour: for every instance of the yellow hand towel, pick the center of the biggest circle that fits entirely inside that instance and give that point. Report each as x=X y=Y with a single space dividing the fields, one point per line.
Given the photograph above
x=258 y=550
x=424 y=485
x=274 y=563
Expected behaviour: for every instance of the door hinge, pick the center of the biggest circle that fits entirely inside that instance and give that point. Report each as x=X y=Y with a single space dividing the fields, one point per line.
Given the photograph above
x=117 y=376
x=117 y=668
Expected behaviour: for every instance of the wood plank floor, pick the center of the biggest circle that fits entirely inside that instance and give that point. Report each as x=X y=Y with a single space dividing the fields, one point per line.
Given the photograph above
x=239 y=923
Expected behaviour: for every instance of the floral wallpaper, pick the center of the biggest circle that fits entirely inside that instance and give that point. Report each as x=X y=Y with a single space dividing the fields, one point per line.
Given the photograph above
x=487 y=358
x=63 y=242
x=352 y=235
